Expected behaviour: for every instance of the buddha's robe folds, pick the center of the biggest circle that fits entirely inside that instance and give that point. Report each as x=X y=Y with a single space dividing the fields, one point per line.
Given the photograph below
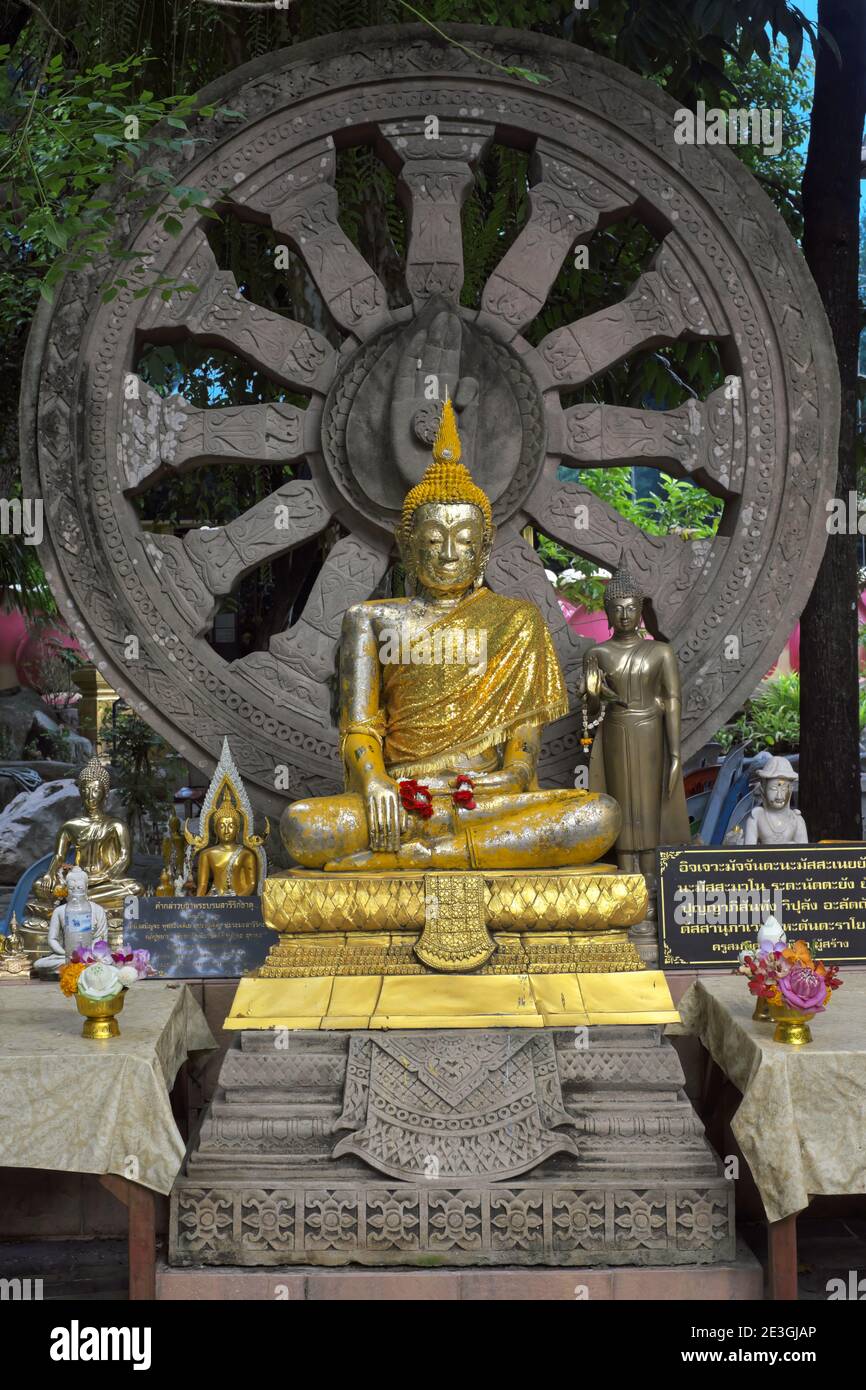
x=488 y=667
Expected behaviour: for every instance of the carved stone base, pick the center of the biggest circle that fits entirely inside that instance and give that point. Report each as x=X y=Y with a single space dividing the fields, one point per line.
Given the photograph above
x=559 y=1147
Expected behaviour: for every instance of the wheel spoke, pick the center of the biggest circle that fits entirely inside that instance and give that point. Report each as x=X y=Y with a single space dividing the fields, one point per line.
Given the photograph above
x=159 y=433
x=208 y=562
x=517 y=570
x=297 y=195
x=351 y=572
x=566 y=206
x=435 y=178
x=216 y=314
x=703 y=440
x=674 y=571
x=669 y=302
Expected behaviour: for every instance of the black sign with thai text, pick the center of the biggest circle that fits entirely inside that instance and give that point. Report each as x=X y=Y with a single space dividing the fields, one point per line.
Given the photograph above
x=197 y=937
x=712 y=902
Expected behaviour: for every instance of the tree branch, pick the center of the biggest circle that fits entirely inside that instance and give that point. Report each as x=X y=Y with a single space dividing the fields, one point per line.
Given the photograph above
x=252 y=5
x=46 y=21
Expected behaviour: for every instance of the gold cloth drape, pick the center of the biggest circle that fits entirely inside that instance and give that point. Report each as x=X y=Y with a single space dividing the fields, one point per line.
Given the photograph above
x=442 y=708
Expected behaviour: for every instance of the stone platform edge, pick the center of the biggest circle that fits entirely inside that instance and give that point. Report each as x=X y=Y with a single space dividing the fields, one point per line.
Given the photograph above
x=453 y=1001
x=739 y=1280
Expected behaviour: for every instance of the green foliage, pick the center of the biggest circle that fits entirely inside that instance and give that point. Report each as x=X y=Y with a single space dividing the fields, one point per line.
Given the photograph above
x=54 y=745
x=679 y=508
x=141 y=763
x=69 y=135
x=772 y=721
x=689 y=43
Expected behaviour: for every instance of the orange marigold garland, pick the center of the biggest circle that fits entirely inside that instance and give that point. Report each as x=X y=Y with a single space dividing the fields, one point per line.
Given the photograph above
x=69 y=977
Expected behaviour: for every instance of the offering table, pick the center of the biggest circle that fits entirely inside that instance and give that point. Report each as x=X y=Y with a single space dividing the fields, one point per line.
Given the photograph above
x=74 y=1105
x=800 y=1121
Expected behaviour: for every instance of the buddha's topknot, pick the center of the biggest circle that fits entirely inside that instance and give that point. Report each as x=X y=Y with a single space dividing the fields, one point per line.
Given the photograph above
x=447 y=479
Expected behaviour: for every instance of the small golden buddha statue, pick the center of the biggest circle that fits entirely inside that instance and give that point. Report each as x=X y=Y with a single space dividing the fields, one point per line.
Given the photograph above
x=173 y=854
x=96 y=842
x=443 y=696
x=226 y=869
x=14 y=960
x=230 y=861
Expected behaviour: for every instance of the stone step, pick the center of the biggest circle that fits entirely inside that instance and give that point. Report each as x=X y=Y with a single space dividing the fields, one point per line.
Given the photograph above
x=732 y=1281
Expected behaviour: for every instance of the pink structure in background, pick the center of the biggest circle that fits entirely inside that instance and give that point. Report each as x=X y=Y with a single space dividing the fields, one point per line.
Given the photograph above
x=595 y=627
x=21 y=645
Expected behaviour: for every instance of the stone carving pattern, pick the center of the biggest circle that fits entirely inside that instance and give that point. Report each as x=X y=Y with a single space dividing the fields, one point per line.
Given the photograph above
x=756 y=584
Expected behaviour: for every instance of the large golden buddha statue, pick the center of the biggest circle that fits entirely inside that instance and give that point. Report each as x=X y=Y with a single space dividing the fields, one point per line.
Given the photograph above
x=443 y=887
x=96 y=842
x=443 y=696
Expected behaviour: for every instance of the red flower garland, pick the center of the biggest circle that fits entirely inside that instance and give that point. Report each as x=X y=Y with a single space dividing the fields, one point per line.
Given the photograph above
x=416 y=797
x=462 y=797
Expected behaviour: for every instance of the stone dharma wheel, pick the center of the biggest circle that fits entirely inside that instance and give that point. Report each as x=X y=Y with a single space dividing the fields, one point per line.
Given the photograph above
x=602 y=149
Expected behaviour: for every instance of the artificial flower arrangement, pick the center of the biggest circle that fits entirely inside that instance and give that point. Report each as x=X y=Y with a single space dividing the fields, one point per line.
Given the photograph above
x=791 y=985
x=98 y=978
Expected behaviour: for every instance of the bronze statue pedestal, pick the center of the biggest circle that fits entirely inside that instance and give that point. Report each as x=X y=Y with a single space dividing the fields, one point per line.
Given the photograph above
x=463 y=949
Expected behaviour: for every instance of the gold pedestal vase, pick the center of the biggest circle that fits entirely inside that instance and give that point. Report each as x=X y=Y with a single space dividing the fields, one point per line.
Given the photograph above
x=100 y=1021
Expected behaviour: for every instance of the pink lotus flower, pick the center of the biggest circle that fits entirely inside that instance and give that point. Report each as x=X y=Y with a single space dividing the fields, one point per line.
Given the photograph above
x=803 y=989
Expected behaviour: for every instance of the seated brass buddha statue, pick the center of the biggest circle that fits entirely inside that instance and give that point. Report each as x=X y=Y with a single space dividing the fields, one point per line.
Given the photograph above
x=96 y=842
x=443 y=696
x=227 y=869
x=230 y=861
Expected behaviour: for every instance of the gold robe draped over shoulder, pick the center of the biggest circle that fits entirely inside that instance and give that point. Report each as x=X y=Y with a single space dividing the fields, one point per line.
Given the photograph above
x=446 y=707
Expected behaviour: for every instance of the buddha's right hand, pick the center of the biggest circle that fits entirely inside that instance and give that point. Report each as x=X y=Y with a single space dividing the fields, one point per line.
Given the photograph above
x=384 y=813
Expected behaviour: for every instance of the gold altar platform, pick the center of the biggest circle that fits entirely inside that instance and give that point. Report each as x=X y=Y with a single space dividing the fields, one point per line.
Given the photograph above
x=462 y=949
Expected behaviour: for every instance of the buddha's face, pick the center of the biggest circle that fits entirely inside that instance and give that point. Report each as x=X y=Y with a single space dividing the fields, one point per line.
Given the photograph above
x=623 y=614
x=777 y=793
x=92 y=795
x=446 y=547
x=226 y=829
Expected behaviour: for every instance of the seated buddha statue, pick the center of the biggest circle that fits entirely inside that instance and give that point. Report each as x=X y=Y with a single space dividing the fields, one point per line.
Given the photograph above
x=96 y=842
x=230 y=861
x=443 y=697
x=228 y=868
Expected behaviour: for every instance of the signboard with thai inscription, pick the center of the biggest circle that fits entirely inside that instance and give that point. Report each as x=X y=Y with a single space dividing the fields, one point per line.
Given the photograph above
x=712 y=902
x=194 y=937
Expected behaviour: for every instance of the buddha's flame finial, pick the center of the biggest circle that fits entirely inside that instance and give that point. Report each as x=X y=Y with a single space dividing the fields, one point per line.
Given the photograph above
x=446 y=445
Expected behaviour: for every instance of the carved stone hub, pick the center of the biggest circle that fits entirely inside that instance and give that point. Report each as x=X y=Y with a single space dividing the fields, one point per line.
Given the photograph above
x=601 y=150
x=564 y=1147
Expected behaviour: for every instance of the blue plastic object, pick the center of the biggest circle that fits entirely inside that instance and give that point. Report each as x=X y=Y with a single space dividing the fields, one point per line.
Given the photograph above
x=22 y=892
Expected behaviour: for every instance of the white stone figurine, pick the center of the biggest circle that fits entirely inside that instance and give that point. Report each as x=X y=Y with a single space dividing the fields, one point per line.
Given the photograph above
x=776 y=822
x=76 y=923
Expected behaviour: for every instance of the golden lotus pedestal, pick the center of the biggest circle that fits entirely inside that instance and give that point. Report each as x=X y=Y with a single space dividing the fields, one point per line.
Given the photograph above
x=462 y=949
